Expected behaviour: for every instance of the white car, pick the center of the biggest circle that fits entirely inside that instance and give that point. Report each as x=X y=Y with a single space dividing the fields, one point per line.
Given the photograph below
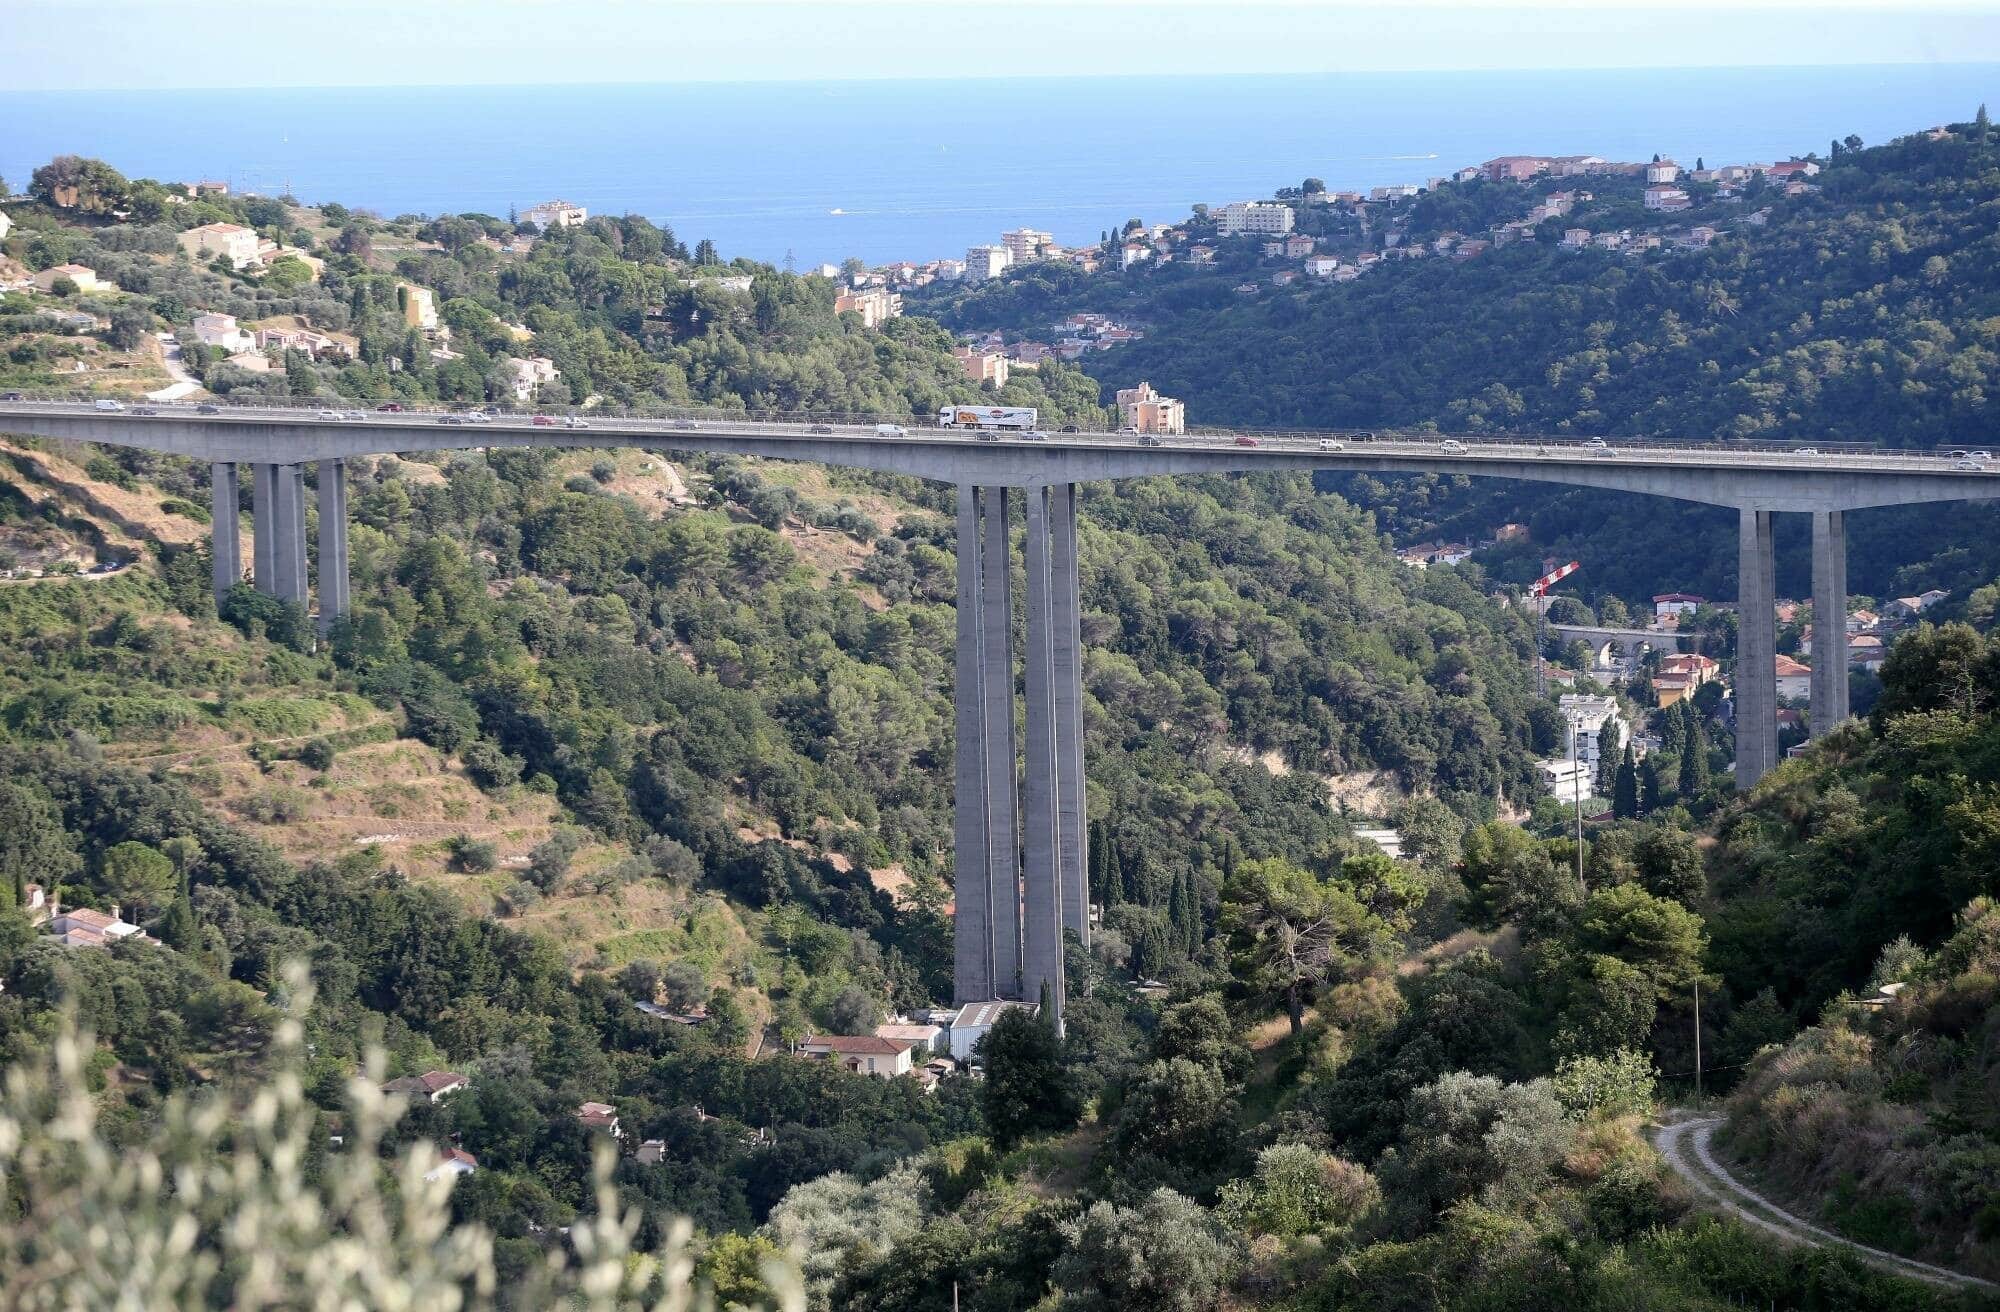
x=576 y=421
x=108 y=404
x=329 y=414
x=1034 y=435
x=1452 y=447
x=1332 y=444
x=1979 y=455
x=1596 y=444
x=355 y=416
x=478 y=417
x=1969 y=463
x=1806 y=451
x=890 y=430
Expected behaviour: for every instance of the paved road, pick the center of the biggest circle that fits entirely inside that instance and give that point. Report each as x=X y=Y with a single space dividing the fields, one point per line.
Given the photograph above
x=1684 y=1145
x=184 y=383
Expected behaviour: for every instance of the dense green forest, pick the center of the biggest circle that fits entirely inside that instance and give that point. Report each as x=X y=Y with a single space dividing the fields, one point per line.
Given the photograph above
x=1867 y=311
x=1295 y=1073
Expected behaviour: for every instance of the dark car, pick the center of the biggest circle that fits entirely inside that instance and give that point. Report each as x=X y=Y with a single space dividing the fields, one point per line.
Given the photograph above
x=822 y=428
x=1150 y=440
x=390 y=408
x=12 y=396
x=451 y=419
x=144 y=410
x=208 y=409
x=1071 y=428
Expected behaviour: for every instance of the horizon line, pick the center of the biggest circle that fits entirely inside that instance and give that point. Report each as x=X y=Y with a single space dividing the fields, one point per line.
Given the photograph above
x=867 y=80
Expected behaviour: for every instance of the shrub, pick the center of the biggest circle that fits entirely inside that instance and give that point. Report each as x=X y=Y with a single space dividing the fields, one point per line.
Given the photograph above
x=473 y=855
x=1167 y=1255
x=317 y=754
x=1620 y=1084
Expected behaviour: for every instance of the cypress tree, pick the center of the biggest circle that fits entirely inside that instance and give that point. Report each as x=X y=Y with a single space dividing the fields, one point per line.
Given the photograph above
x=1650 y=786
x=1609 y=739
x=1625 y=789
x=1693 y=781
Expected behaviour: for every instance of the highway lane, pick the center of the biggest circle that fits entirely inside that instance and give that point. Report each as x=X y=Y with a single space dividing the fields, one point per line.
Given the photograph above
x=598 y=428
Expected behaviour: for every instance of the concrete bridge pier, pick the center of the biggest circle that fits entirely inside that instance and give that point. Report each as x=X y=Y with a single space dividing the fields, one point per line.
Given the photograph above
x=266 y=519
x=290 y=542
x=1756 y=650
x=333 y=572
x=1019 y=859
x=1829 y=642
x=225 y=545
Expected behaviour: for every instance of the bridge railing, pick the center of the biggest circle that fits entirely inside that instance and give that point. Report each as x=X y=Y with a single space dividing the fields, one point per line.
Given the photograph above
x=1352 y=439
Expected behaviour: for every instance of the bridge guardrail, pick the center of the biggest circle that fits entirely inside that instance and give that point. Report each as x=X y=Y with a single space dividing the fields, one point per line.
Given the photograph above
x=1355 y=441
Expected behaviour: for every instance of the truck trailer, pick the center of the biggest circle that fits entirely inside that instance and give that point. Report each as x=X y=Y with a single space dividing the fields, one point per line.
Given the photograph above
x=1019 y=417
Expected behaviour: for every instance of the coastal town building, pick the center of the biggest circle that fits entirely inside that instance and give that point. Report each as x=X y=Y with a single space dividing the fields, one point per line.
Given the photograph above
x=82 y=927
x=1590 y=715
x=1027 y=244
x=531 y=375
x=1794 y=678
x=82 y=275
x=230 y=241
x=863 y=1054
x=432 y=1086
x=1664 y=170
x=221 y=330
x=1667 y=199
x=974 y=1021
x=1676 y=603
x=554 y=214
x=419 y=306
x=1144 y=410
x=452 y=1163
x=1242 y=217
x=983 y=262
x=1395 y=192
x=1566 y=780
x=600 y=1116
x=875 y=305
x=982 y=365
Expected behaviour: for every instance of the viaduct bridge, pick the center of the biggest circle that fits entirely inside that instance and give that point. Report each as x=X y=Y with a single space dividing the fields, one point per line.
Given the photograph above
x=1020 y=820
x=1629 y=643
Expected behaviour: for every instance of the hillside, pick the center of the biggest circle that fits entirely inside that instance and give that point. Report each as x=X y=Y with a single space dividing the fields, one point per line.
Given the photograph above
x=1865 y=309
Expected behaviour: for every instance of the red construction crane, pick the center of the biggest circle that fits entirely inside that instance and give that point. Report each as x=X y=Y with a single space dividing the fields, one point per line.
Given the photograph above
x=1539 y=589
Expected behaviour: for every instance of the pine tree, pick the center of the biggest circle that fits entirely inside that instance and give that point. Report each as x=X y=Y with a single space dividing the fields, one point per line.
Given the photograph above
x=1625 y=789
x=1102 y=887
x=1982 y=126
x=1651 y=786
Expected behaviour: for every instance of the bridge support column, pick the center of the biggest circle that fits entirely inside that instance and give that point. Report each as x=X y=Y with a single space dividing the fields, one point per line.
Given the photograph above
x=1829 y=644
x=1756 y=650
x=332 y=543
x=268 y=518
x=225 y=544
x=1041 y=836
x=986 y=838
x=1072 y=819
x=290 y=540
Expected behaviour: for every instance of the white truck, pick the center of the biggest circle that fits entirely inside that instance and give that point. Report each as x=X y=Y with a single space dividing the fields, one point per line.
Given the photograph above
x=1020 y=417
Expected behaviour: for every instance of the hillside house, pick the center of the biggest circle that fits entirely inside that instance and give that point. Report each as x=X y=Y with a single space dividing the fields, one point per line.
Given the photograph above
x=1794 y=678
x=600 y=1116
x=222 y=330
x=452 y=1163
x=82 y=275
x=864 y=1054
x=554 y=214
x=85 y=928
x=974 y=1021
x=431 y=1086
x=230 y=241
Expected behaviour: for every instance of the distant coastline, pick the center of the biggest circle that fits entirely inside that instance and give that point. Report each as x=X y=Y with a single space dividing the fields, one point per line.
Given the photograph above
x=771 y=169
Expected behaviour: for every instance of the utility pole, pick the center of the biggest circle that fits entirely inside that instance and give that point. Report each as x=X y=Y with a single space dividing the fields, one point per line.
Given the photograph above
x=1577 y=801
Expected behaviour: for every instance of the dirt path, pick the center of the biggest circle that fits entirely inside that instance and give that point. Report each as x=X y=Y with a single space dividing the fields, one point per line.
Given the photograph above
x=1685 y=1147
x=184 y=383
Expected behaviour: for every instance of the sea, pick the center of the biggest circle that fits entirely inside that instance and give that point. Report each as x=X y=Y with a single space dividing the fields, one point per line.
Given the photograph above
x=812 y=172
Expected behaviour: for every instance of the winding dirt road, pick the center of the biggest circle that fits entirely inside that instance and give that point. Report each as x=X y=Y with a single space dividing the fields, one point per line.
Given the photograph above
x=1684 y=1144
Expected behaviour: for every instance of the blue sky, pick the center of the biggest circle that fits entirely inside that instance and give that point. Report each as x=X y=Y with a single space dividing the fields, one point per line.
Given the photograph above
x=164 y=43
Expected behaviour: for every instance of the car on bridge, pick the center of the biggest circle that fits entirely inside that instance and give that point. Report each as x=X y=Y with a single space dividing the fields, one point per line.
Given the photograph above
x=1452 y=447
x=1597 y=444
x=881 y=430
x=684 y=425
x=576 y=421
x=451 y=419
x=1806 y=451
x=208 y=408
x=822 y=429
x=1034 y=435
x=390 y=408
x=108 y=404
x=543 y=421
x=1242 y=440
x=1979 y=466
x=1332 y=444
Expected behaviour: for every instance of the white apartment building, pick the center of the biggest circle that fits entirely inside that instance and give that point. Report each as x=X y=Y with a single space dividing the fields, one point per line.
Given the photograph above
x=554 y=214
x=1590 y=714
x=874 y=305
x=1253 y=216
x=532 y=374
x=1026 y=244
x=1568 y=781
x=1664 y=171
x=983 y=262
